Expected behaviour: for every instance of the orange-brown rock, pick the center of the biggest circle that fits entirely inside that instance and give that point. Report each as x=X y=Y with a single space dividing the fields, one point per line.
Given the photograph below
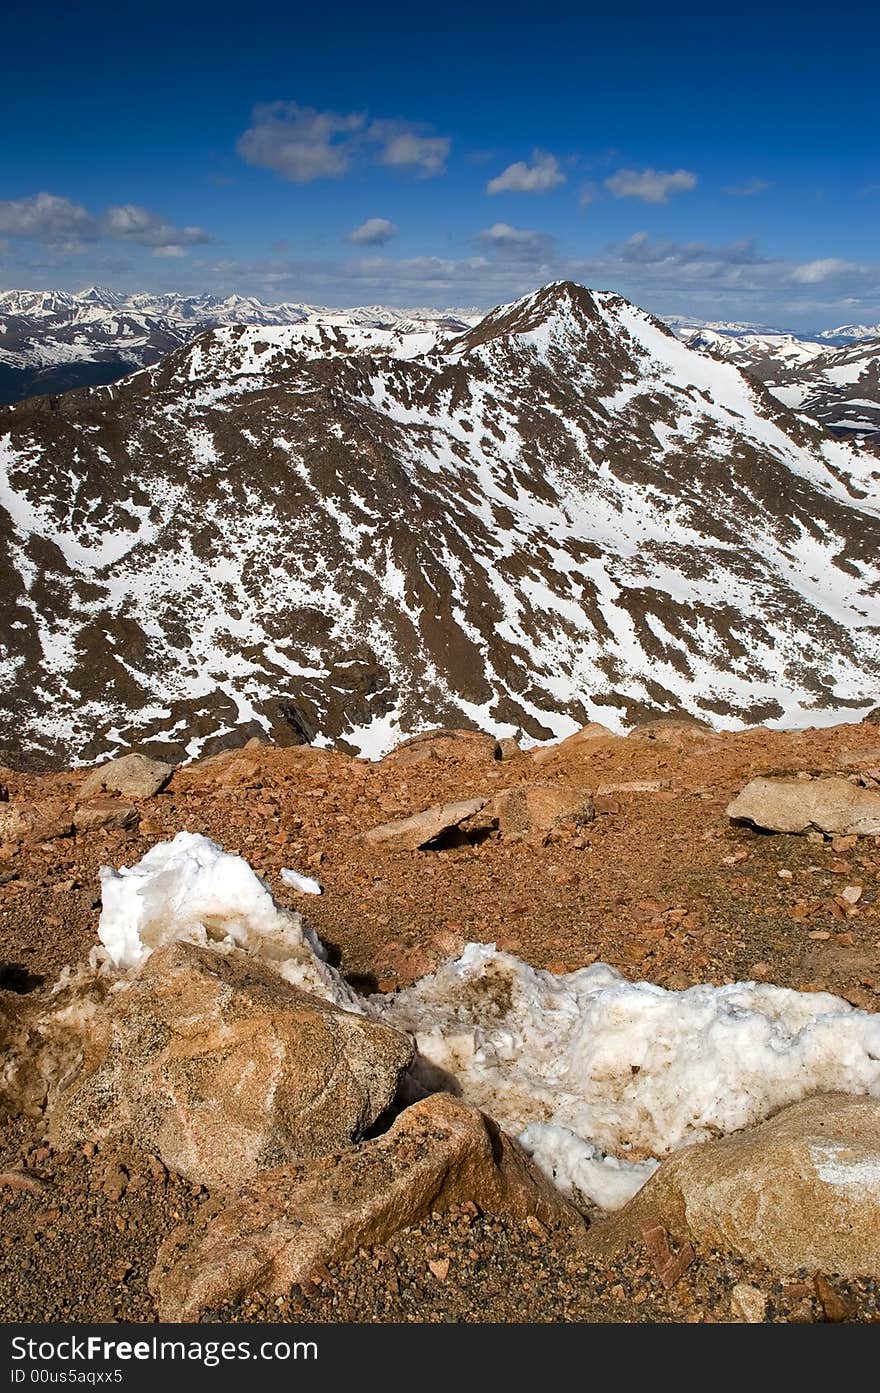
x=218 y=1066
x=279 y=1228
x=534 y=807
x=572 y=744
x=105 y=812
x=799 y=1191
x=34 y=822
x=132 y=775
x=443 y=744
x=410 y=833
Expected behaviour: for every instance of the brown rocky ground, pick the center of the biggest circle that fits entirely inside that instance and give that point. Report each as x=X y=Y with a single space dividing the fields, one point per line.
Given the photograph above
x=659 y=884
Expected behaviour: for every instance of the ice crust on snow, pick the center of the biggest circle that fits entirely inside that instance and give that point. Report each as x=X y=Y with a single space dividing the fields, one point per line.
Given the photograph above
x=189 y=889
x=598 y=1076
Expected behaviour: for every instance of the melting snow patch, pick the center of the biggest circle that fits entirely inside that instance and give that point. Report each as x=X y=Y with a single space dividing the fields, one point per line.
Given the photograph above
x=598 y=1076
x=589 y=1066
x=189 y=889
x=305 y=883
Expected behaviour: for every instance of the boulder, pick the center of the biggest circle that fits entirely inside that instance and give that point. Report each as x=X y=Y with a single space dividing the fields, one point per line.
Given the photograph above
x=835 y=806
x=105 y=812
x=134 y=776
x=222 y=1069
x=410 y=833
x=573 y=744
x=509 y=748
x=872 y=718
x=279 y=1228
x=34 y=822
x=538 y=808
x=443 y=744
x=799 y=1191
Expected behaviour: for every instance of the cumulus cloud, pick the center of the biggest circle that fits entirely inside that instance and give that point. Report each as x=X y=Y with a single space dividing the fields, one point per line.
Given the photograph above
x=405 y=146
x=48 y=219
x=373 y=233
x=747 y=189
x=650 y=185
x=67 y=229
x=541 y=174
x=301 y=144
x=516 y=242
x=129 y=222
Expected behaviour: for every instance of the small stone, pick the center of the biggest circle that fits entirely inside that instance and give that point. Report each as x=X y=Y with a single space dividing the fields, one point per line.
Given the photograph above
x=836 y=1306
x=440 y=1268
x=785 y=875
x=748 y=1303
x=851 y=893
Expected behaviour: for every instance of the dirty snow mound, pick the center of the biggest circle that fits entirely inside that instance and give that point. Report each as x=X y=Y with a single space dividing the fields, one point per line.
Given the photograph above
x=590 y=1067
x=190 y=889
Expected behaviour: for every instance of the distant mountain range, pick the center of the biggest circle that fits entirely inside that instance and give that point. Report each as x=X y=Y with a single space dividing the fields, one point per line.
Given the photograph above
x=52 y=342
x=834 y=378
x=344 y=533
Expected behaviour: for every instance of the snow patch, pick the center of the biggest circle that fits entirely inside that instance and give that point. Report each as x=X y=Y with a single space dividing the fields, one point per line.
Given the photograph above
x=189 y=890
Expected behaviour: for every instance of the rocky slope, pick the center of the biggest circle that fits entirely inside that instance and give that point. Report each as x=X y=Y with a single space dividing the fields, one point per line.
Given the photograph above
x=343 y=534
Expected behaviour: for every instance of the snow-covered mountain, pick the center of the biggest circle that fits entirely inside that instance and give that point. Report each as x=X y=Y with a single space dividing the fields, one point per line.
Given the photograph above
x=838 y=386
x=850 y=331
x=349 y=533
x=51 y=341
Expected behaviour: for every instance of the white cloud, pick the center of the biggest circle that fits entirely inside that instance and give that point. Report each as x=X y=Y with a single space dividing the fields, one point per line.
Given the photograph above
x=650 y=185
x=129 y=222
x=373 y=233
x=517 y=242
x=408 y=147
x=49 y=219
x=747 y=189
x=814 y=272
x=542 y=174
x=300 y=143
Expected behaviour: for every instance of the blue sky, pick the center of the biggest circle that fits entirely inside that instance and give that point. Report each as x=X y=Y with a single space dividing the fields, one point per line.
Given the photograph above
x=717 y=163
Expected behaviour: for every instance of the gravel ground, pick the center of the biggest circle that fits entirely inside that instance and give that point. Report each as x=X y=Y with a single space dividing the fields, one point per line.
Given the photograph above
x=660 y=885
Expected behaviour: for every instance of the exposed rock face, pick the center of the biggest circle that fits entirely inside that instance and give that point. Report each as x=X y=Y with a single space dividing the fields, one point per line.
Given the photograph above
x=134 y=776
x=105 y=812
x=410 y=833
x=465 y=745
x=289 y=1221
x=560 y=515
x=34 y=822
x=222 y=1069
x=800 y=1191
x=834 y=806
x=540 y=807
